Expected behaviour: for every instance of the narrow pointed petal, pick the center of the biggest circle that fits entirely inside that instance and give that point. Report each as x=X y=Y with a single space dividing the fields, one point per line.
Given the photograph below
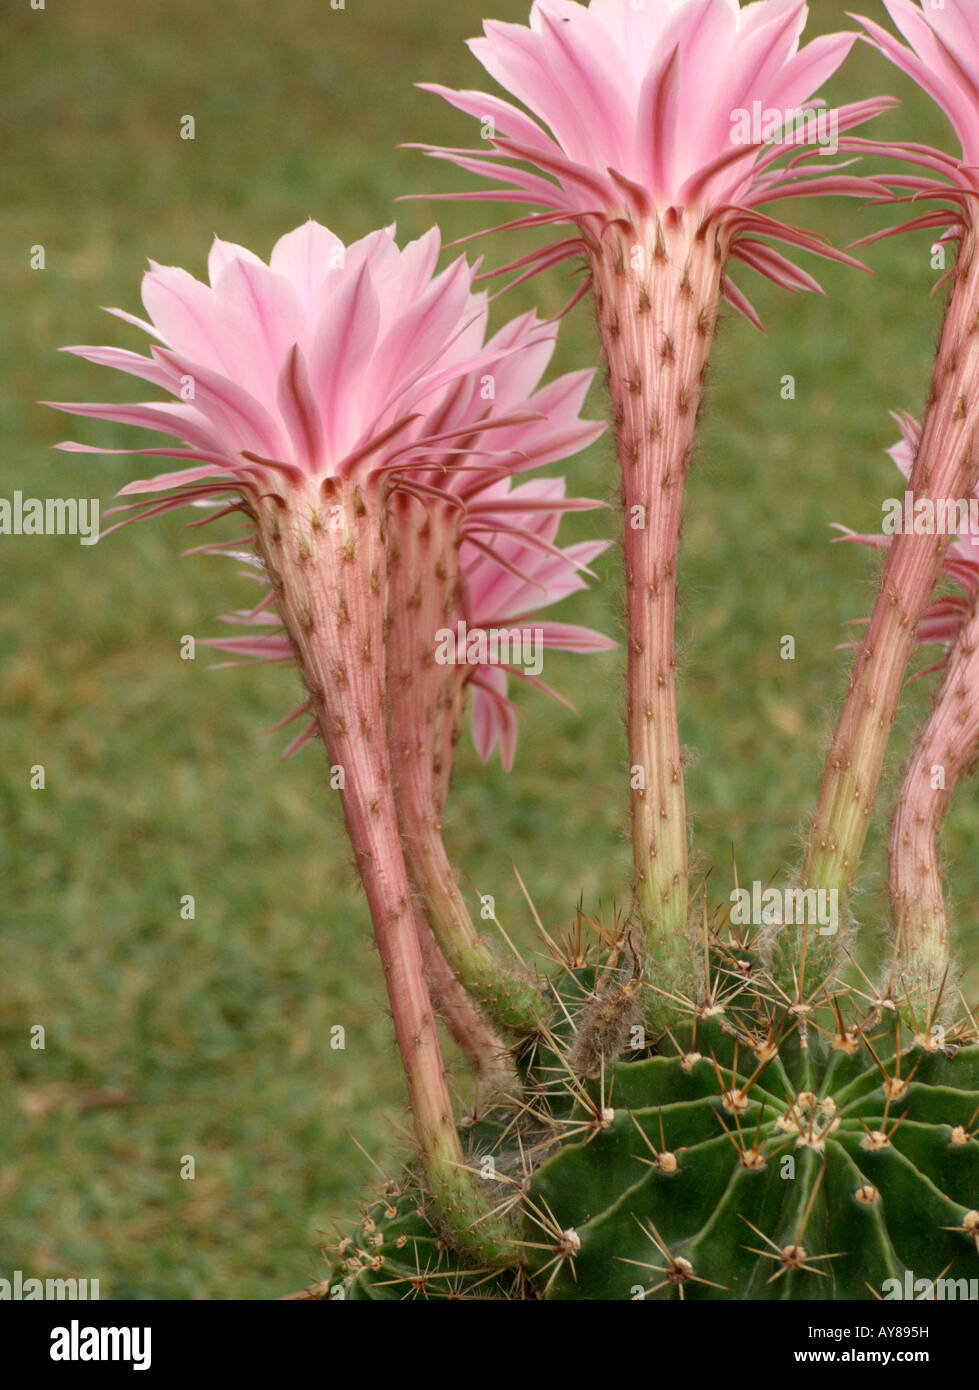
x=300 y=412
x=342 y=348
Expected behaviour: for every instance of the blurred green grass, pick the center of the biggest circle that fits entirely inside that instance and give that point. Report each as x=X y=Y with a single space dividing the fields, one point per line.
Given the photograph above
x=214 y=1032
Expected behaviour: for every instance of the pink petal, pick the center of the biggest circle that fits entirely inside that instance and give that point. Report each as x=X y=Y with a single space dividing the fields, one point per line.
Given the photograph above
x=413 y=273
x=516 y=59
x=586 y=62
x=958 y=25
x=810 y=69
x=506 y=117
x=565 y=637
x=137 y=322
x=163 y=481
x=237 y=417
x=493 y=719
x=300 y=411
x=180 y=421
x=183 y=310
x=659 y=114
x=221 y=255
x=342 y=347
x=932 y=79
x=420 y=336
x=307 y=258
x=260 y=318
x=132 y=363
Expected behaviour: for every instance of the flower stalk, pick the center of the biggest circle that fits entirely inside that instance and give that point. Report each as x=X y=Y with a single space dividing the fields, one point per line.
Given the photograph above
x=946 y=467
x=324 y=552
x=481 y=1044
x=946 y=750
x=427 y=702
x=938 y=763
x=657 y=289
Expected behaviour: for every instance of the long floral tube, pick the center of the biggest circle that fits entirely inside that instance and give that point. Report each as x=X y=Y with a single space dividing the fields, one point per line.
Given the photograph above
x=635 y=138
x=945 y=750
x=944 y=60
x=477 y=567
x=481 y=1044
x=657 y=290
x=946 y=467
x=330 y=584
x=425 y=724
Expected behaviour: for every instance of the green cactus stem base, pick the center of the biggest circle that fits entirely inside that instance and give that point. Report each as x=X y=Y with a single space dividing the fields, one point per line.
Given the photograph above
x=765 y=1150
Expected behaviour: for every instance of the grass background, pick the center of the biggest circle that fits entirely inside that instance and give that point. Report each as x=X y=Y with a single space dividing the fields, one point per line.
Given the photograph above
x=209 y=1037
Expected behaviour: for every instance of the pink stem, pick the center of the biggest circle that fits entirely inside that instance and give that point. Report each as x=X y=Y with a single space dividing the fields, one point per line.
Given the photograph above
x=482 y=1046
x=946 y=466
x=657 y=289
x=427 y=701
x=946 y=750
x=325 y=555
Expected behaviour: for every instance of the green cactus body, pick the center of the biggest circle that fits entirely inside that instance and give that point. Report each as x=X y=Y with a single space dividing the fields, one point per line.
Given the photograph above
x=764 y=1150
x=397 y=1253
x=814 y=1184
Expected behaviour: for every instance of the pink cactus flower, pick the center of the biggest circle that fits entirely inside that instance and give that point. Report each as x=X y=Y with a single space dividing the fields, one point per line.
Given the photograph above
x=944 y=61
x=659 y=131
x=329 y=363
x=690 y=104
x=307 y=394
